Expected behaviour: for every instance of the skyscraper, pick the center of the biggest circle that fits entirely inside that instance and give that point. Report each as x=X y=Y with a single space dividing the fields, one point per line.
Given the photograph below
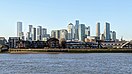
x=19 y=28
x=30 y=31
x=34 y=34
x=98 y=29
x=114 y=36
x=87 y=31
x=76 y=29
x=81 y=31
x=107 y=31
x=71 y=32
x=39 y=33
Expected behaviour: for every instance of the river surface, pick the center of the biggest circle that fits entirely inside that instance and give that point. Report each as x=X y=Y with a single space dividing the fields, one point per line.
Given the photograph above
x=89 y=63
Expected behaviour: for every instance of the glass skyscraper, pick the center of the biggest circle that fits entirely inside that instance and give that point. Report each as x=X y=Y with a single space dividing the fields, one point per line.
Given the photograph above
x=19 y=28
x=76 y=29
x=98 y=29
x=107 y=31
x=81 y=31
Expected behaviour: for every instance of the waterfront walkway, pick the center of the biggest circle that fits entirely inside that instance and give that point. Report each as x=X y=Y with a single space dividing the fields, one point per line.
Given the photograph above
x=70 y=50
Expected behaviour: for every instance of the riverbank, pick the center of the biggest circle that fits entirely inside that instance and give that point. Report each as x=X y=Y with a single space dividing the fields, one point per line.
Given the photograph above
x=35 y=51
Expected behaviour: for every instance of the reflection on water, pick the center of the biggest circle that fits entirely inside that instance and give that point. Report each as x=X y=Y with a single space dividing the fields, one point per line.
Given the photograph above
x=94 y=63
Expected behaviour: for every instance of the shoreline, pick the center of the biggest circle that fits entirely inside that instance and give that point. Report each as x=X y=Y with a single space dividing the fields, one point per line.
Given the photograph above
x=57 y=51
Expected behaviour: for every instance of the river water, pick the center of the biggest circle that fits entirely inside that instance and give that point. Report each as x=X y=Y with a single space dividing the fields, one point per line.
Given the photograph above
x=89 y=63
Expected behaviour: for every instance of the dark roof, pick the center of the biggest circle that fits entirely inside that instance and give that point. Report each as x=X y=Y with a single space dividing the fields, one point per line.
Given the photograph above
x=52 y=39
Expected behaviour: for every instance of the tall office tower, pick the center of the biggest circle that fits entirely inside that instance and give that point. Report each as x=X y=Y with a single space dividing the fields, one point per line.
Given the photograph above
x=87 y=31
x=19 y=28
x=64 y=34
x=34 y=34
x=114 y=36
x=81 y=31
x=107 y=31
x=98 y=29
x=39 y=33
x=71 y=32
x=19 y=31
x=30 y=31
x=76 y=30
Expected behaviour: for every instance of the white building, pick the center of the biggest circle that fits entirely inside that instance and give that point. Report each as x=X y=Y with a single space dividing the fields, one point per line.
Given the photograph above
x=19 y=30
x=64 y=34
x=71 y=32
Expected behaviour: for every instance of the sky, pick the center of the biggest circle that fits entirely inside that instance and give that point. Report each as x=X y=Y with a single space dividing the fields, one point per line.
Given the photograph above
x=57 y=14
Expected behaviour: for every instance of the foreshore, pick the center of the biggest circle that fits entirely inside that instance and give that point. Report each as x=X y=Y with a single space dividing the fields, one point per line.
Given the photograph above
x=54 y=51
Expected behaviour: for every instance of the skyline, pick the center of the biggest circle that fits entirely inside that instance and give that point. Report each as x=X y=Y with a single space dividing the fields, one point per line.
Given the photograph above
x=58 y=14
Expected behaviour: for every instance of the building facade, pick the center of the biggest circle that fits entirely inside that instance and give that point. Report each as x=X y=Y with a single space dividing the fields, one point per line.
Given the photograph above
x=64 y=34
x=19 y=31
x=34 y=34
x=107 y=31
x=55 y=34
x=81 y=31
x=71 y=32
x=76 y=29
x=30 y=31
x=39 y=33
x=98 y=29
x=87 y=31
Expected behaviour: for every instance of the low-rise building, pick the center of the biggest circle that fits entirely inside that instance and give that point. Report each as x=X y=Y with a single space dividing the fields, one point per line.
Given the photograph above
x=13 y=42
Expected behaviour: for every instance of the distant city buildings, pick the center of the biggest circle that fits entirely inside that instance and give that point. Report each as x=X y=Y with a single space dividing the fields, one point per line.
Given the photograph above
x=81 y=31
x=39 y=33
x=59 y=34
x=98 y=29
x=76 y=30
x=71 y=31
x=55 y=34
x=64 y=34
x=87 y=31
x=78 y=33
x=107 y=31
x=34 y=34
x=19 y=30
